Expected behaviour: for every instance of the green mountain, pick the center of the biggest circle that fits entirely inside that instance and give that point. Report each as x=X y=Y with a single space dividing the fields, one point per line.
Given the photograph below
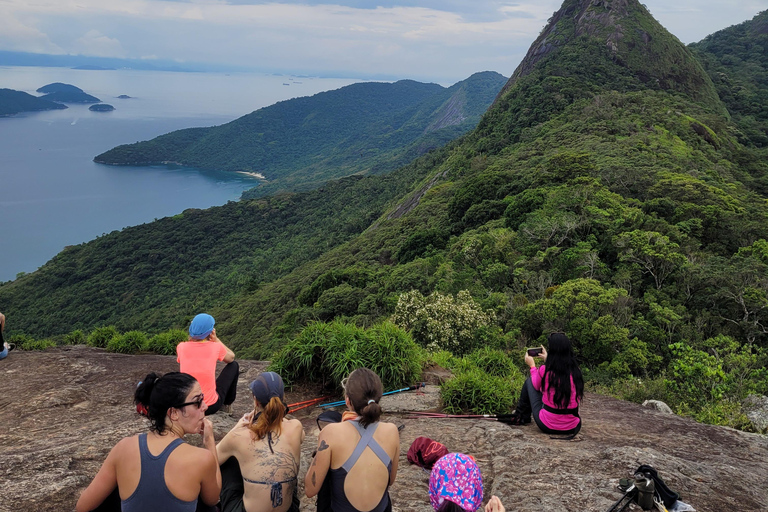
x=737 y=61
x=66 y=93
x=13 y=102
x=607 y=193
x=298 y=144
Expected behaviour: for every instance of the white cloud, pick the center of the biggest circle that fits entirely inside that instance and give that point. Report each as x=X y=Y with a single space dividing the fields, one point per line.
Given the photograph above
x=96 y=44
x=449 y=39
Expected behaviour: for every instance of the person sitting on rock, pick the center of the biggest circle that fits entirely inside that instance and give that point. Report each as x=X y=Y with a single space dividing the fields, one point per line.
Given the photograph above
x=456 y=485
x=198 y=357
x=553 y=391
x=260 y=456
x=360 y=453
x=5 y=347
x=158 y=470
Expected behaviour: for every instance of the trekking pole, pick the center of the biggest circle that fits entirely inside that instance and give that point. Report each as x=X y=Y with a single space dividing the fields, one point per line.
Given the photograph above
x=409 y=388
x=424 y=414
x=313 y=400
x=306 y=403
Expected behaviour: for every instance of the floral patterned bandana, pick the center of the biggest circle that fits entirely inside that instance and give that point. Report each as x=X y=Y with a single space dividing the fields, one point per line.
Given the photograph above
x=456 y=477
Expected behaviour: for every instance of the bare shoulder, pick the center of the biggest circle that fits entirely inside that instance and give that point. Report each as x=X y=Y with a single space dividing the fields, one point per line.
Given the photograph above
x=389 y=428
x=126 y=445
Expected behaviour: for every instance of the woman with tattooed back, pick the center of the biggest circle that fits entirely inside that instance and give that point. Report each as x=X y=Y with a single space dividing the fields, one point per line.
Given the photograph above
x=260 y=456
x=359 y=454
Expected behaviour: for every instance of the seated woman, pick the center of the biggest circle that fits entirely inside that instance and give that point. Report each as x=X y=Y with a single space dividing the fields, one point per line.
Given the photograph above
x=198 y=357
x=553 y=391
x=456 y=485
x=261 y=454
x=158 y=470
x=360 y=453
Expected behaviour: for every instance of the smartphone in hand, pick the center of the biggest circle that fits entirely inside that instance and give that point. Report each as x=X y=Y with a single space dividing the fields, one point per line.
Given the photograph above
x=533 y=352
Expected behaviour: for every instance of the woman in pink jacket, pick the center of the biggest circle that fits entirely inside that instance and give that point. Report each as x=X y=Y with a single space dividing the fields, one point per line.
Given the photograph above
x=553 y=392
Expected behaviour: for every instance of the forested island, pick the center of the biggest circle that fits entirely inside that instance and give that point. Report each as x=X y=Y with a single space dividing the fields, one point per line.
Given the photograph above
x=101 y=107
x=66 y=93
x=298 y=144
x=615 y=190
x=15 y=102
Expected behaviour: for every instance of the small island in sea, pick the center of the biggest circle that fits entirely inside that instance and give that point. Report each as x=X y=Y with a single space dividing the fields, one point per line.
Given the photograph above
x=14 y=102
x=123 y=97
x=66 y=93
x=101 y=107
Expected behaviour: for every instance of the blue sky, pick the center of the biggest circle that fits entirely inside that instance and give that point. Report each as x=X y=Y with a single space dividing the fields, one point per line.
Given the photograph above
x=434 y=40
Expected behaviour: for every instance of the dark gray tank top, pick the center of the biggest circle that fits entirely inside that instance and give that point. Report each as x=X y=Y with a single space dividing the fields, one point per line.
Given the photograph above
x=339 y=501
x=152 y=494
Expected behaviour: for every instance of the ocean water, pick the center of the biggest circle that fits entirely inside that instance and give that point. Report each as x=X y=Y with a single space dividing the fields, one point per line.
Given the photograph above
x=52 y=194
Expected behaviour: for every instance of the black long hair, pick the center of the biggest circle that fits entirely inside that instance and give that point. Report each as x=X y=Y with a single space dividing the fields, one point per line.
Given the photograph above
x=158 y=393
x=561 y=365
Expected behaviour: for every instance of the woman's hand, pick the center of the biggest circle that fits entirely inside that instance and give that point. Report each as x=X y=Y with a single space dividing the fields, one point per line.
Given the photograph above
x=543 y=354
x=529 y=360
x=245 y=420
x=494 y=505
x=207 y=432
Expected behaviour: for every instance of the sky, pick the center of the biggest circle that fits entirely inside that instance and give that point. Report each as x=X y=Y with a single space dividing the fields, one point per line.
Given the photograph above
x=430 y=40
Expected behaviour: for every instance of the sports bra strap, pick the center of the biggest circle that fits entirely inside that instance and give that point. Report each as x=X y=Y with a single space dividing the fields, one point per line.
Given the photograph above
x=366 y=439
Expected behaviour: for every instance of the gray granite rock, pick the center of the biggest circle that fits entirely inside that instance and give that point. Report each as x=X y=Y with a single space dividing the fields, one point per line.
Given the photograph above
x=658 y=405
x=756 y=409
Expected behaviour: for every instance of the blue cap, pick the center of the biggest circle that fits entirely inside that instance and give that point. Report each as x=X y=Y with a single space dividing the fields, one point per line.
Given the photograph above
x=201 y=326
x=266 y=386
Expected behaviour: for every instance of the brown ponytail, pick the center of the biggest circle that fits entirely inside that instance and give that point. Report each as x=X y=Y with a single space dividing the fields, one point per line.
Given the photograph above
x=364 y=390
x=270 y=420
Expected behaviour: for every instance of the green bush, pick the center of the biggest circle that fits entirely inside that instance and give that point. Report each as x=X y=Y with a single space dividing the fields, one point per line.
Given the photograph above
x=101 y=336
x=128 y=343
x=477 y=392
x=165 y=342
x=25 y=342
x=327 y=353
x=74 y=338
x=492 y=361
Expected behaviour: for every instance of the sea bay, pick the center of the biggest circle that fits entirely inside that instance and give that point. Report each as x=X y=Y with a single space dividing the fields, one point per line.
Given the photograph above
x=51 y=192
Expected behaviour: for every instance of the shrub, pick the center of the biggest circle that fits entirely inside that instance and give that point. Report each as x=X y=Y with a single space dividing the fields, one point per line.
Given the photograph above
x=24 y=342
x=165 y=342
x=101 y=336
x=477 y=392
x=492 y=361
x=74 y=338
x=128 y=343
x=442 y=322
x=328 y=352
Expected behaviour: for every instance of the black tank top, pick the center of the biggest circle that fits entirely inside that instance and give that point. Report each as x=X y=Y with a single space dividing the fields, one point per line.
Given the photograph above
x=339 y=501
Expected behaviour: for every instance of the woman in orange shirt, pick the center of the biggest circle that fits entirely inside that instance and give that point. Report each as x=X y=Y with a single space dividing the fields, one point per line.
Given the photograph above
x=198 y=357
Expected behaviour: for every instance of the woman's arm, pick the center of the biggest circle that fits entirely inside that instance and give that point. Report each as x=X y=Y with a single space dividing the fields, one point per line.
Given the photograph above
x=210 y=486
x=318 y=470
x=103 y=483
x=395 y=456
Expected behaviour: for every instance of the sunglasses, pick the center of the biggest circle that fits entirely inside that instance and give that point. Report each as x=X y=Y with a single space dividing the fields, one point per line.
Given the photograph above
x=198 y=401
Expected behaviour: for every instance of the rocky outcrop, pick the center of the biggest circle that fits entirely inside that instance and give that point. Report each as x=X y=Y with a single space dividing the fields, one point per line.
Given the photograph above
x=62 y=410
x=756 y=409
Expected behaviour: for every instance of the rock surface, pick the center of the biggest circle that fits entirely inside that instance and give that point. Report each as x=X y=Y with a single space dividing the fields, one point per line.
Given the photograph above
x=658 y=405
x=756 y=409
x=62 y=410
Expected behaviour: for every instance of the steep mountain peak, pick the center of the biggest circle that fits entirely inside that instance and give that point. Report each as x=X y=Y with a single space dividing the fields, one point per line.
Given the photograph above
x=615 y=44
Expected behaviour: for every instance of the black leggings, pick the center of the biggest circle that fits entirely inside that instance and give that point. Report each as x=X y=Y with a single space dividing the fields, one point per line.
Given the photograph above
x=233 y=488
x=226 y=387
x=530 y=404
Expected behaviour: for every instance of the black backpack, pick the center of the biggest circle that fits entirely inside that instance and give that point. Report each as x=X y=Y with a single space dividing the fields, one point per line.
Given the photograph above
x=664 y=493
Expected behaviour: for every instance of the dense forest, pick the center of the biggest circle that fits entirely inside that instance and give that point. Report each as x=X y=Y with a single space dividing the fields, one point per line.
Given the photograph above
x=298 y=144
x=616 y=190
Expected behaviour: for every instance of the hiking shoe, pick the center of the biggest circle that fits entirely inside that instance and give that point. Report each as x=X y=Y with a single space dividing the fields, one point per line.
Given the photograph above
x=517 y=419
x=226 y=408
